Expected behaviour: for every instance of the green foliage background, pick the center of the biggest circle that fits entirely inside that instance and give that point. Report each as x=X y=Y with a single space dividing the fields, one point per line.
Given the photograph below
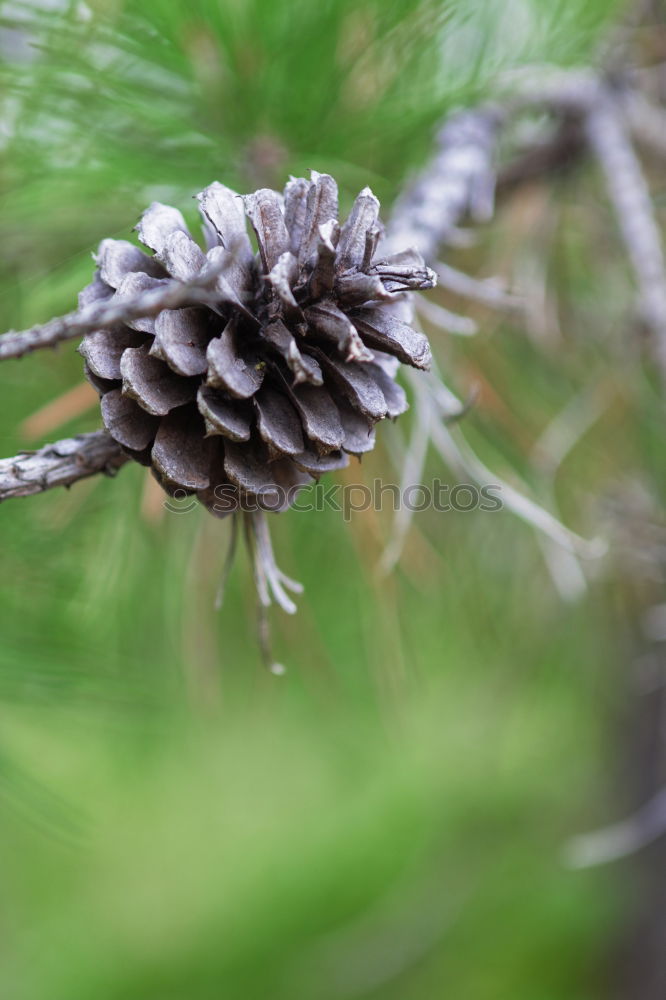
x=386 y=821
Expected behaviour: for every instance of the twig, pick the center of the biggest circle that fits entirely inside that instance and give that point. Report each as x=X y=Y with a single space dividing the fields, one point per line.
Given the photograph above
x=459 y=181
x=458 y=455
x=559 y=438
x=444 y=319
x=621 y=839
x=59 y=464
x=412 y=474
x=630 y=196
x=487 y=291
x=228 y=563
x=107 y=312
x=608 y=115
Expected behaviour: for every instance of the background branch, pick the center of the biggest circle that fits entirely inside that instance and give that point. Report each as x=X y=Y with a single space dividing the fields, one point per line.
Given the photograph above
x=459 y=181
x=630 y=195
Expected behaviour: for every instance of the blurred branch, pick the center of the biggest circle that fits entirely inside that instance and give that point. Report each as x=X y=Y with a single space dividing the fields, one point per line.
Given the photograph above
x=487 y=291
x=444 y=319
x=462 y=459
x=59 y=464
x=558 y=439
x=630 y=195
x=646 y=121
x=609 y=113
x=555 y=154
x=620 y=840
x=413 y=465
x=459 y=181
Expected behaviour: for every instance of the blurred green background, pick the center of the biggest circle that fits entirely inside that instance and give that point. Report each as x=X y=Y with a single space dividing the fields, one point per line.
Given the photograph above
x=388 y=820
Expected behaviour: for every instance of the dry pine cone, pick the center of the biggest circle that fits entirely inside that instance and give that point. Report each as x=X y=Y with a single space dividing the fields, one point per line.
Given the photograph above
x=287 y=369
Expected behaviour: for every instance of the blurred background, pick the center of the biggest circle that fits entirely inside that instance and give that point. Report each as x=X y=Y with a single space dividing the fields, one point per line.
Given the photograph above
x=394 y=817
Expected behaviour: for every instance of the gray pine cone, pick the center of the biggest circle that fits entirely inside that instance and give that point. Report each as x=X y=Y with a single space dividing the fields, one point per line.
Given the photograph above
x=244 y=401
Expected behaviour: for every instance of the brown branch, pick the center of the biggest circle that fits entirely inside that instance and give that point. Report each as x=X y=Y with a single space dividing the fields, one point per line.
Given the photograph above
x=59 y=464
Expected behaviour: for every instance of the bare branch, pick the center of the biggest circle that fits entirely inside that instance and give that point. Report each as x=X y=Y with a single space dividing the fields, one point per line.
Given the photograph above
x=461 y=459
x=172 y=295
x=444 y=319
x=487 y=291
x=59 y=464
x=559 y=438
x=571 y=91
x=459 y=181
x=621 y=839
x=630 y=195
x=412 y=473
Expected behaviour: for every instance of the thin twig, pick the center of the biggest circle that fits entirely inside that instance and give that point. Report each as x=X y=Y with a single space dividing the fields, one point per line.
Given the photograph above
x=461 y=459
x=228 y=563
x=458 y=182
x=609 y=115
x=630 y=195
x=59 y=464
x=488 y=291
x=444 y=319
x=611 y=843
x=107 y=312
x=412 y=474
x=559 y=438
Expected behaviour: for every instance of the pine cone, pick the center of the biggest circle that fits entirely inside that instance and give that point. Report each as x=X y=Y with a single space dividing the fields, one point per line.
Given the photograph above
x=285 y=373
